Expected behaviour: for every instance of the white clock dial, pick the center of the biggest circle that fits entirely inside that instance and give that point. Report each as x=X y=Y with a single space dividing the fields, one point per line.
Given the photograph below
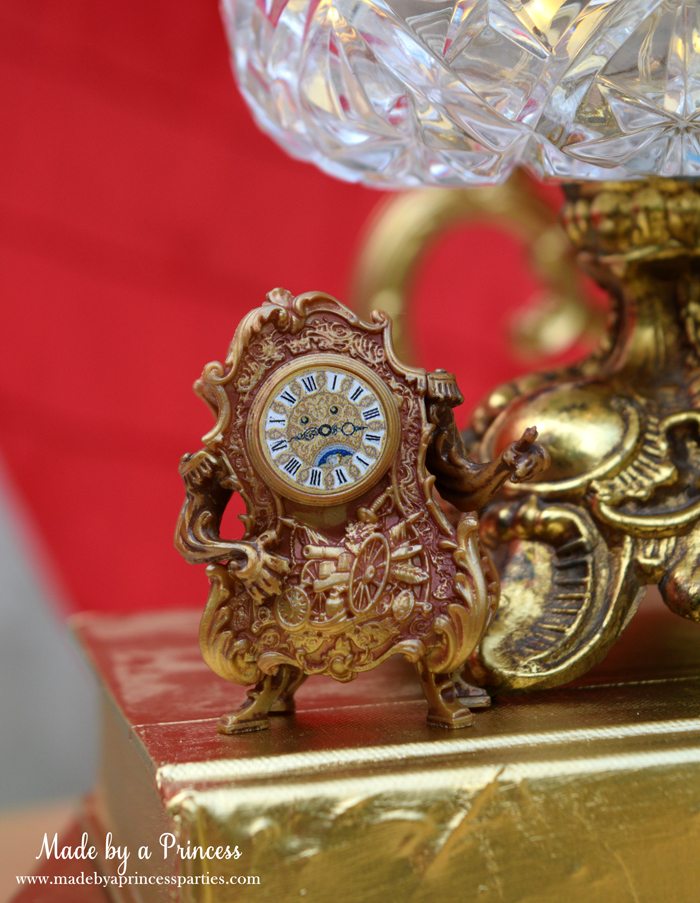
x=324 y=431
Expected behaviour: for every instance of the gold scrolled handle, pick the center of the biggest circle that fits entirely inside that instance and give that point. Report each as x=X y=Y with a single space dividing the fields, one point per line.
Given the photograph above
x=403 y=228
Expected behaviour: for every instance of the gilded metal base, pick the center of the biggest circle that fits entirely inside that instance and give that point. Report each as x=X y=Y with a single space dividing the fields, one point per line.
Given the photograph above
x=619 y=506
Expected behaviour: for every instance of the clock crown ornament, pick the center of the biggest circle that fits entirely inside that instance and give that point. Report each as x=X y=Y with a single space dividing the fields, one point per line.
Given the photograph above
x=348 y=557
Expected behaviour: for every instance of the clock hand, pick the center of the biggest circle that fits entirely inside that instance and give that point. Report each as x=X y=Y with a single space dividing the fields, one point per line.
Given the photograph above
x=349 y=429
x=326 y=429
x=307 y=435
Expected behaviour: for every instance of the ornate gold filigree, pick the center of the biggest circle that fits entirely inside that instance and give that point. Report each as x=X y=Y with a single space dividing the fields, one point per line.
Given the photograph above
x=335 y=586
x=619 y=505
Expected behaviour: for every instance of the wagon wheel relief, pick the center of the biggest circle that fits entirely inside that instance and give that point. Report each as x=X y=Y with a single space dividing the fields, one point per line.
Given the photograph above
x=293 y=607
x=369 y=573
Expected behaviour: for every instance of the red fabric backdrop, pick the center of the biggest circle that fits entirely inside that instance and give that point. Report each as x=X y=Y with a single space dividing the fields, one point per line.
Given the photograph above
x=141 y=214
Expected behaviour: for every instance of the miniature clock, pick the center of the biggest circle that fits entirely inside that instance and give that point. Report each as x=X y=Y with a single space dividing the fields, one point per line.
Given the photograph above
x=347 y=557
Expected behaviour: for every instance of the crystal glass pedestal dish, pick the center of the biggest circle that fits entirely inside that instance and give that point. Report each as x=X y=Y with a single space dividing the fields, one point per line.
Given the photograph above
x=407 y=92
x=603 y=96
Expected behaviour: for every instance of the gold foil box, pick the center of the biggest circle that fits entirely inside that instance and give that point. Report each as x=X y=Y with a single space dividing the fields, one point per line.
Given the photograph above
x=590 y=792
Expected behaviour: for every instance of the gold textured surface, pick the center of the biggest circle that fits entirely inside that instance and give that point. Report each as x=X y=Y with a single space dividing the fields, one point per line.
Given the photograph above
x=585 y=793
x=618 y=508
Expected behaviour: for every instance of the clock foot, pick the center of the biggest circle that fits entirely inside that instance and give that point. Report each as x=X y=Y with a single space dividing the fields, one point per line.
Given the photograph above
x=273 y=695
x=445 y=709
x=470 y=695
x=284 y=704
x=235 y=724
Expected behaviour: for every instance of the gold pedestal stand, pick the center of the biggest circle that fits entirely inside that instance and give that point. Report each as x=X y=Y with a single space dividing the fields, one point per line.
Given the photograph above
x=619 y=507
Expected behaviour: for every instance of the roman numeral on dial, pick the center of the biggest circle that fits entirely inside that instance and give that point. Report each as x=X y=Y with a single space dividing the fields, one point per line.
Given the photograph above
x=373 y=438
x=288 y=398
x=356 y=392
x=341 y=476
x=371 y=413
x=277 y=445
x=309 y=382
x=361 y=463
x=315 y=477
x=292 y=466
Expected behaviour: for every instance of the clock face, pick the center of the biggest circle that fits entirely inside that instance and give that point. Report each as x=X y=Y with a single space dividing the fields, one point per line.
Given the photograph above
x=326 y=429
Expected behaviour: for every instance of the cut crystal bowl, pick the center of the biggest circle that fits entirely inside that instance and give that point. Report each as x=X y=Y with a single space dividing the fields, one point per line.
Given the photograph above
x=395 y=93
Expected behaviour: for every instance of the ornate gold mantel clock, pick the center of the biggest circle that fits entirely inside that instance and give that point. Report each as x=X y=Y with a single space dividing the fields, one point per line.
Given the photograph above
x=348 y=557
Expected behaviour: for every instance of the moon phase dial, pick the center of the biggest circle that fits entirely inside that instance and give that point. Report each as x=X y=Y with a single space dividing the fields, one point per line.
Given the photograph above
x=324 y=430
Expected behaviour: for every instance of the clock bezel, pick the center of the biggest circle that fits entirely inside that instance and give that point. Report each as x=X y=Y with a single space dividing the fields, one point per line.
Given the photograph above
x=256 y=423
